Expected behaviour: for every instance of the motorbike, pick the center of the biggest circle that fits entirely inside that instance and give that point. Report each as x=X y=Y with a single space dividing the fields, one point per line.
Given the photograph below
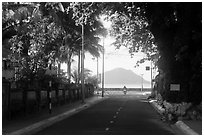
x=125 y=90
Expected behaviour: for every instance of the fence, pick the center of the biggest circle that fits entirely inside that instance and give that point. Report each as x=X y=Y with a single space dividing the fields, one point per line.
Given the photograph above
x=23 y=101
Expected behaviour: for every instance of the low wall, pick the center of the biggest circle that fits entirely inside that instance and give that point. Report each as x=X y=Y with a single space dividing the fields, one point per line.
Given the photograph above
x=129 y=89
x=19 y=101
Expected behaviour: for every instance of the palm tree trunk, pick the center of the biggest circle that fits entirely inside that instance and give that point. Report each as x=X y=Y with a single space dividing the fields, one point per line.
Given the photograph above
x=69 y=66
x=69 y=71
x=59 y=68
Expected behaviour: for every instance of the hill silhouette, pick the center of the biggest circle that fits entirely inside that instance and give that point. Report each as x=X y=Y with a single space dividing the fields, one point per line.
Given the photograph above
x=123 y=76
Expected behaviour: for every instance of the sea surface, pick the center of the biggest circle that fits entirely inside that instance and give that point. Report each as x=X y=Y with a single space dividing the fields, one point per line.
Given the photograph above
x=127 y=85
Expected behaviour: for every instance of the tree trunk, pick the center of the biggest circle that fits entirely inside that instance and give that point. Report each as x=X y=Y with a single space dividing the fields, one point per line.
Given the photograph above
x=59 y=68
x=69 y=67
x=69 y=71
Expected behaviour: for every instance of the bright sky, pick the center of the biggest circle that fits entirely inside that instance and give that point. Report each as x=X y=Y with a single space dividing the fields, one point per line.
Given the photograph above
x=115 y=58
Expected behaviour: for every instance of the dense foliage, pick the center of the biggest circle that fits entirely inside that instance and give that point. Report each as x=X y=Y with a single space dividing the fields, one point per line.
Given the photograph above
x=42 y=34
x=177 y=28
x=169 y=33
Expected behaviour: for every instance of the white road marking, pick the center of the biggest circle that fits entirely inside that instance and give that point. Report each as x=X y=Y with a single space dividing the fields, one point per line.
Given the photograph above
x=107 y=129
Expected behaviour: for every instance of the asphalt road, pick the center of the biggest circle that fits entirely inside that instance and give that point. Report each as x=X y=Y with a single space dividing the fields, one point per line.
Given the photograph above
x=120 y=114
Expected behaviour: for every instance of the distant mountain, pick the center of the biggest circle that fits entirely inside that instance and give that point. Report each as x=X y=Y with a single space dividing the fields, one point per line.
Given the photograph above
x=123 y=76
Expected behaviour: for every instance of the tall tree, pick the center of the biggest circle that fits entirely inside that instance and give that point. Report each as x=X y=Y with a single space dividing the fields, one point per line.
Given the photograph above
x=71 y=44
x=177 y=28
x=172 y=29
x=35 y=39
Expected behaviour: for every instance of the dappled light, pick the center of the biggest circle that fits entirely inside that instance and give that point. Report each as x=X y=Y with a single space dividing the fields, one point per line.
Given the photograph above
x=124 y=54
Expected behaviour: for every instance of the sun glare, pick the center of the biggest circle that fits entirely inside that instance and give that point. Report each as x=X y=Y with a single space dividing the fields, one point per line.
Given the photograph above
x=106 y=23
x=114 y=58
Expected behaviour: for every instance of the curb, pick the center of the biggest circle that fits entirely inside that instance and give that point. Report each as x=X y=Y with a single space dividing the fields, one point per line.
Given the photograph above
x=179 y=124
x=158 y=108
x=48 y=122
x=186 y=129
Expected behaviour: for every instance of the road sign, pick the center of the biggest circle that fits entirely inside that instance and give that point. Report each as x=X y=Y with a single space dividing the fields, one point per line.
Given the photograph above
x=147 y=67
x=174 y=87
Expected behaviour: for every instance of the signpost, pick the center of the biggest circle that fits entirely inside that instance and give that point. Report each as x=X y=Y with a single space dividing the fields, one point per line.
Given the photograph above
x=147 y=68
x=174 y=87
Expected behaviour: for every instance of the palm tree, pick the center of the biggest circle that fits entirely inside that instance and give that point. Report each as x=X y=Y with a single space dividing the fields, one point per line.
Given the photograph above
x=71 y=43
x=76 y=77
x=72 y=39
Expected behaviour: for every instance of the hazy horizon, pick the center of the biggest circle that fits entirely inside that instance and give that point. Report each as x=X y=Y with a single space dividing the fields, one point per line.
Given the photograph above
x=145 y=85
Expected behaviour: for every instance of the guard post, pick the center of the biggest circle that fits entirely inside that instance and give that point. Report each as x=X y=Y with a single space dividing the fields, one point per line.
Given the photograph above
x=50 y=96
x=50 y=71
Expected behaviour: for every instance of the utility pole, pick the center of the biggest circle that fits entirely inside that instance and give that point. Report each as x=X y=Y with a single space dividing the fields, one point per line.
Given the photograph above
x=82 y=64
x=50 y=90
x=97 y=77
x=79 y=62
x=103 y=70
x=142 y=82
x=151 y=75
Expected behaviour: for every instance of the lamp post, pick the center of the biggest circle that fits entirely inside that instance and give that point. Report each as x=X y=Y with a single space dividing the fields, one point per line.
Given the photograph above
x=82 y=64
x=151 y=75
x=142 y=82
x=103 y=70
x=97 y=76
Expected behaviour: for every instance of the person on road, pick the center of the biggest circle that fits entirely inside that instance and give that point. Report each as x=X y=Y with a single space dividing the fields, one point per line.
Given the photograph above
x=125 y=90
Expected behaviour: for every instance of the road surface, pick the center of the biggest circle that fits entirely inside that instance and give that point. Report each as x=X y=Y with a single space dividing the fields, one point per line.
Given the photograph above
x=120 y=114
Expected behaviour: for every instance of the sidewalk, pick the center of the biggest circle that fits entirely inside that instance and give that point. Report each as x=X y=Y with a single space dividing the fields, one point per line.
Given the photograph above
x=35 y=122
x=188 y=127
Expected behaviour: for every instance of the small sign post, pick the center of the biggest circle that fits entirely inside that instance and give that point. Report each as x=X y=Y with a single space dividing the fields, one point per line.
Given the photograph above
x=174 y=87
x=147 y=68
x=50 y=97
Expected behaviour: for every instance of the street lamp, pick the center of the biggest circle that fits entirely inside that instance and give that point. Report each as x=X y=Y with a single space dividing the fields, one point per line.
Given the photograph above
x=97 y=74
x=103 y=71
x=82 y=64
x=142 y=82
x=151 y=75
